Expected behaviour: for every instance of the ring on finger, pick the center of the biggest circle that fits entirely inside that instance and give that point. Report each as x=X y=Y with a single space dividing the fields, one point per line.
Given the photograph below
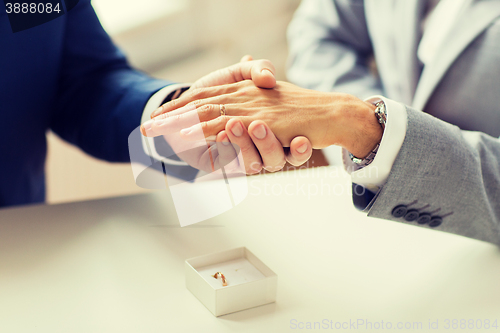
x=222 y=109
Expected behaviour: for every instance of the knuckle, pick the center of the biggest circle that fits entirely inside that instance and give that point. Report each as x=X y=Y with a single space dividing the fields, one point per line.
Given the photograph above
x=172 y=104
x=247 y=89
x=204 y=109
x=197 y=93
x=271 y=148
x=221 y=72
x=162 y=116
x=246 y=149
x=231 y=72
x=196 y=103
x=207 y=112
x=178 y=117
x=241 y=92
x=204 y=126
x=222 y=120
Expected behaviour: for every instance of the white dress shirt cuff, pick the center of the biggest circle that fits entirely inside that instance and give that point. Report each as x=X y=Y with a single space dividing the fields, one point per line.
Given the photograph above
x=148 y=144
x=375 y=174
x=157 y=99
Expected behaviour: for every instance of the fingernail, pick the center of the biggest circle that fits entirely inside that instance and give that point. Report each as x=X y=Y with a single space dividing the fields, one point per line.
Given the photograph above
x=157 y=112
x=146 y=128
x=256 y=167
x=237 y=130
x=186 y=131
x=259 y=132
x=302 y=149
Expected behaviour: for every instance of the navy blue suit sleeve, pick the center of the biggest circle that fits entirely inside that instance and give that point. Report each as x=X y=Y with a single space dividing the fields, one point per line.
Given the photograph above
x=100 y=97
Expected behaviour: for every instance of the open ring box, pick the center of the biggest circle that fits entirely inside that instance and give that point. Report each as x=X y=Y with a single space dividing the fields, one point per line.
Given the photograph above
x=250 y=282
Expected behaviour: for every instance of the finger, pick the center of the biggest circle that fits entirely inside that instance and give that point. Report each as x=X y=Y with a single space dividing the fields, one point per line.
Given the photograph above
x=173 y=124
x=246 y=58
x=300 y=151
x=196 y=97
x=227 y=155
x=239 y=136
x=271 y=150
x=261 y=72
x=205 y=129
x=168 y=125
x=207 y=109
x=224 y=81
x=180 y=110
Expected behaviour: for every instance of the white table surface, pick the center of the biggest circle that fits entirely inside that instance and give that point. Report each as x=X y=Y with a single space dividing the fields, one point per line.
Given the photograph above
x=117 y=265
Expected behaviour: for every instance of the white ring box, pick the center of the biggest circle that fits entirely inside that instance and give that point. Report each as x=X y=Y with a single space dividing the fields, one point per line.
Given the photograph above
x=250 y=282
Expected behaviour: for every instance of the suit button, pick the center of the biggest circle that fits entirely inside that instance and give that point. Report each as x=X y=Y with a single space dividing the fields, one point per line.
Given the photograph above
x=424 y=218
x=411 y=215
x=399 y=211
x=435 y=221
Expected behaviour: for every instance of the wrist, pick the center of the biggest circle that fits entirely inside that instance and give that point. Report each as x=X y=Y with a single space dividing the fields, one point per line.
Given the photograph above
x=362 y=131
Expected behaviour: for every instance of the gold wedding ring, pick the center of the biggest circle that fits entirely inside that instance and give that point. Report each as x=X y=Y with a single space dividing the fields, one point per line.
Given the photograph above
x=222 y=110
x=223 y=278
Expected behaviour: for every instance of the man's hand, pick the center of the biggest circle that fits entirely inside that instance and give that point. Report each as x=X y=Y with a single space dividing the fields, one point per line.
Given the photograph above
x=262 y=150
x=261 y=72
x=325 y=118
x=259 y=146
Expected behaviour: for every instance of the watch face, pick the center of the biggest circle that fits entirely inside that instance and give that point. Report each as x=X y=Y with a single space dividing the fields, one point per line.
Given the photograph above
x=381 y=114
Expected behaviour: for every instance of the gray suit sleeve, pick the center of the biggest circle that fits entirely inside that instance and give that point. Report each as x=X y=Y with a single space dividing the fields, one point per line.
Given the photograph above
x=447 y=172
x=330 y=48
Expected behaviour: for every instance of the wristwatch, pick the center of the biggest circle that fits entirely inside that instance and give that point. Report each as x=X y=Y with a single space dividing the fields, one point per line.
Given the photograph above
x=381 y=114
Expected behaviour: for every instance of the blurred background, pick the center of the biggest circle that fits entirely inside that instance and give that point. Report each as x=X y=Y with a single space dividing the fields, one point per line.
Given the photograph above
x=179 y=40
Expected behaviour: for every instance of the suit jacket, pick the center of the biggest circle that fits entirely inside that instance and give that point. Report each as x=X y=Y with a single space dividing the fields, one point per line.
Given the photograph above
x=65 y=75
x=449 y=163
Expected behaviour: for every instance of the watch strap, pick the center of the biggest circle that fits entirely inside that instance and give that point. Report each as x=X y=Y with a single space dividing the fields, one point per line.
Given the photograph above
x=381 y=114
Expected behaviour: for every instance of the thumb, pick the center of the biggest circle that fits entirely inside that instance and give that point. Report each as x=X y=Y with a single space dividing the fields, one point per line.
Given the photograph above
x=262 y=73
x=300 y=151
x=264 y=78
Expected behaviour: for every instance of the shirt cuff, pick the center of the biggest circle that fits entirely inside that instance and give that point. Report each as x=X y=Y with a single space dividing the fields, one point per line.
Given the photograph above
x=374 y=175
x=158 y=98
x=148 y=144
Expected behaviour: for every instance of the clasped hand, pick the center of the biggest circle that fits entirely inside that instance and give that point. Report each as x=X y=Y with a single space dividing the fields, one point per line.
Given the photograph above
x=285 y=115
x=257 y=146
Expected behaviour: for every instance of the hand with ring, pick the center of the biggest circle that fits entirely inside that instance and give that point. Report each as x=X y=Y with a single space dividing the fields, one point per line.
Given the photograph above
x=325 y=118
x=258 y=145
